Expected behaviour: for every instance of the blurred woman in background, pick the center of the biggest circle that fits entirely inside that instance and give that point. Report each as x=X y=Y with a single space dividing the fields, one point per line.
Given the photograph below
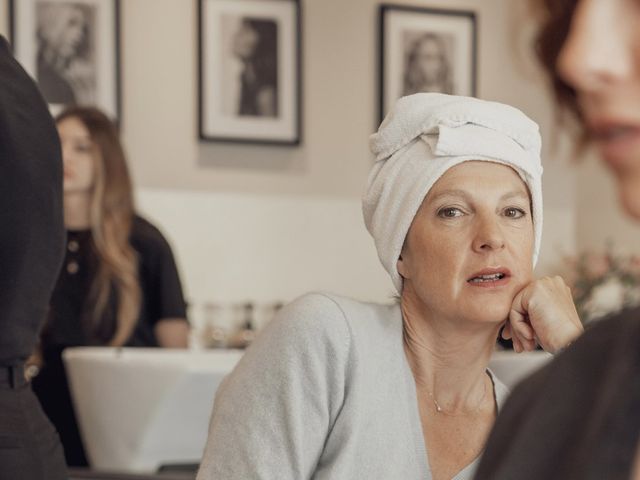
x=119 y=285
x=579 y=418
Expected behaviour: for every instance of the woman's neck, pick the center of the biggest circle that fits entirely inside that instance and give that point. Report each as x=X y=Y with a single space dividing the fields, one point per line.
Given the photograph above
x=448 y=359
x=77 y=211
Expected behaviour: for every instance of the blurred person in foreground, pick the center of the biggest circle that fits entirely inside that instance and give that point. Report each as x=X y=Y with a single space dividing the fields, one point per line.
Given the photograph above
x=579 y=417
x=31 y=252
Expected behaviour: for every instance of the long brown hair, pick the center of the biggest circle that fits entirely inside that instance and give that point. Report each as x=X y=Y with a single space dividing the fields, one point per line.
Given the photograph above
x=554 y=18
x=111 y=217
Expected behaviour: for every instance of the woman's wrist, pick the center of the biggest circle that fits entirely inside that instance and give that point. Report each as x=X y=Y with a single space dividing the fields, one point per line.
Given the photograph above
x=566 y=338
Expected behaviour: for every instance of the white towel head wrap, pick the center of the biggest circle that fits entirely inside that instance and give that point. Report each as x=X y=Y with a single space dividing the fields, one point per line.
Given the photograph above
x=422 y=137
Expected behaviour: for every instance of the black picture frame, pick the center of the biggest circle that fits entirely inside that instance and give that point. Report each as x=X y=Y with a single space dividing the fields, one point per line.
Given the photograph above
x=405 y=32
x=84 y=71
x=244 y=96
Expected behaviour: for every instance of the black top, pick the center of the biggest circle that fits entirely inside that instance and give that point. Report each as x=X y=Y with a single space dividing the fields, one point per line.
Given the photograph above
x=576 y=418
x=159 y=283
x=161 y=298
x=32 y=232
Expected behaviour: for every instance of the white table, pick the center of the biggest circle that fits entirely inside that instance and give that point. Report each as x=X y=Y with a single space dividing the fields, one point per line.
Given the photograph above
x=511 y=367
x=140 y=408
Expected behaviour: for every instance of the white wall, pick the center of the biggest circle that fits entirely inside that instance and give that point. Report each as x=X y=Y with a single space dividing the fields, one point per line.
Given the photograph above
x=252 y=222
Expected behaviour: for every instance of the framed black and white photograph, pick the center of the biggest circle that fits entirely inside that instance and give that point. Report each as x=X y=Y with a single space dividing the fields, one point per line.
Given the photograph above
x=249 y=71
x=72 y=50
x=425 y=50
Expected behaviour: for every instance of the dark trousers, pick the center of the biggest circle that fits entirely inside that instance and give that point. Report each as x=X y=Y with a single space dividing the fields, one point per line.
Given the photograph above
x=51 y=388
x=29 y=445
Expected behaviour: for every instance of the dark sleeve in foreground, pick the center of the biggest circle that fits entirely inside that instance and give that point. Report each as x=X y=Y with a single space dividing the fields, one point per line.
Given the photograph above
x=578 y=417
x=32 y=230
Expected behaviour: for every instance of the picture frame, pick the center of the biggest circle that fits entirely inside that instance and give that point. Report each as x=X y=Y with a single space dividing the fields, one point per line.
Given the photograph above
x=425 y=50
x=249 y=71
x=72 y=50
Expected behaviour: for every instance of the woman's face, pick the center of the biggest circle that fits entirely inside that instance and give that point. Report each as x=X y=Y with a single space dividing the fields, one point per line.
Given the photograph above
x=429 y=60
x=68 y=32
x=78 y=156
x=470 y=247
x=601 y=61
x=245 y=41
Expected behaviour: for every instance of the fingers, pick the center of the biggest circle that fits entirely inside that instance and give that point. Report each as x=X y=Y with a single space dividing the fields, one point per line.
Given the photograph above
x=520 y=328
x=519 y=323
x=522 y=344
x=506 y=331
x=517 y=345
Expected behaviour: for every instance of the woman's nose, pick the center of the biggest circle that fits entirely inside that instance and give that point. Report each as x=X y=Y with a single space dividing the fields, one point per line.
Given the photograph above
x=66 y=154
x=489 y=236
x=597 y=50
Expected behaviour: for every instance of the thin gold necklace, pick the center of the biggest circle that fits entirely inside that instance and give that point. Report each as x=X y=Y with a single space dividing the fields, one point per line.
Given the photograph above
x=439 y=409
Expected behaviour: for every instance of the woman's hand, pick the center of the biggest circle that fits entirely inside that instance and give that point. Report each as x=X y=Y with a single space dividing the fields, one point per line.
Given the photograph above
x=543 y=312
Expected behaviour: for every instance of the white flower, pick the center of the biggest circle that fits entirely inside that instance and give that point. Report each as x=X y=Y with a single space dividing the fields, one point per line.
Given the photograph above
x=632 y=297
x=606 y=298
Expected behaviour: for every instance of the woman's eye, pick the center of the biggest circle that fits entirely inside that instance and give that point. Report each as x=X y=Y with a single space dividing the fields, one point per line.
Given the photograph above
x=450 y=212
x=82 y=148
x=513 y=212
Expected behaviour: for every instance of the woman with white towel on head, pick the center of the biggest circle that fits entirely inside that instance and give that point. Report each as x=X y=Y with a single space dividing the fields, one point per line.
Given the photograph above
x=339 y=389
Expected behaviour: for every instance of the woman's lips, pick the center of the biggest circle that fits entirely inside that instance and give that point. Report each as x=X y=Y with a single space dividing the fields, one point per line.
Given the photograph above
x=492 y=277
x=618 y=142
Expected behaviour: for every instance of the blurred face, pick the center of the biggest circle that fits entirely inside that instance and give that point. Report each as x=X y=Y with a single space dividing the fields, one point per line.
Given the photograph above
x=601 y=61
x=245 y=41
x=429 y=60
x=470 y=247
x=69 y=33
x=78 y=155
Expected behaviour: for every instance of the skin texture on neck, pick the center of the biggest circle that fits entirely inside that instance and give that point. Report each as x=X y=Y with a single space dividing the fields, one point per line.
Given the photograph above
x=448 y=357
x=77 y=209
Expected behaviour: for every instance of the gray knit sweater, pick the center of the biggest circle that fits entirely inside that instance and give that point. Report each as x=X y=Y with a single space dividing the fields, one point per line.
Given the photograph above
x=325 y=392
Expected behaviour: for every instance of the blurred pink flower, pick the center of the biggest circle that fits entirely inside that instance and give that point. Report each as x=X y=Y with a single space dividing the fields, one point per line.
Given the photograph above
x=602 y=283
x=632 y=265
x=597 y=265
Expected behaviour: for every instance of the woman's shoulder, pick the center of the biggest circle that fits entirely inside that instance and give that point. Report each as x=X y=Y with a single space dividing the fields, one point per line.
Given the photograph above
x=575 y=374
x=334 y=318
x=589 y=359
x=311 y=316
x=325 y=309
x=310 y=335
x=146 y=237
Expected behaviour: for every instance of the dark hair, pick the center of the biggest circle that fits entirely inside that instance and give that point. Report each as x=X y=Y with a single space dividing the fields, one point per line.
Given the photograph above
x=555 y=23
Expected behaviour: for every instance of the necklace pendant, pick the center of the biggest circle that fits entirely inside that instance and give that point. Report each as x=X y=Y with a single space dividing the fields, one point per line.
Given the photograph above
x=438 y=408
